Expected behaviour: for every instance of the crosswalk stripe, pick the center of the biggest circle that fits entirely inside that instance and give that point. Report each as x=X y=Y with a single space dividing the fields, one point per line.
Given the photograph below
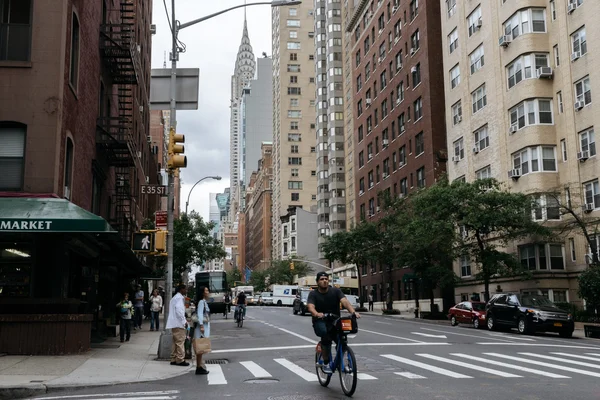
x=307 y=376
x=428 y=367
x=593 y=354
x=215 y=376
x=581 y=363
x=410 y=375
x=154 y=395
x=256 y=370
x=365 y=377
x=470 y=366
x=545 y=364
x=513 y=366
x=577 y=356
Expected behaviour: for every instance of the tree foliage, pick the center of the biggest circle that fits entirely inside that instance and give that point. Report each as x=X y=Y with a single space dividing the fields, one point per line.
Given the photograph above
x=259 y=279
x=280 y=273
x=589 y=286
x=193 y=243
x=235 y=275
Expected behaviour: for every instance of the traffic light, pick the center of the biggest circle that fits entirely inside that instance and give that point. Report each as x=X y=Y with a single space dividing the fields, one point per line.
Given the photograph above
x=176 y=158
x=291 y=265
x=160 y=241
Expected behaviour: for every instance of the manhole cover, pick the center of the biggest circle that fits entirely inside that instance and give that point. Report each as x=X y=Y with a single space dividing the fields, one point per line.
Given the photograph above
x=223 y=361
x=262 y=380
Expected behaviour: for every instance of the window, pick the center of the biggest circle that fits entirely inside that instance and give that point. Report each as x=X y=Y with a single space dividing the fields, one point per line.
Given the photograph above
x=400 y=91
x=482 y=138
x=473 y=21
x=453 y=40
x=592 y=193
x=528 y=159
x=556 y=56
x=361 y=159
x=68 y=172
x=360 y=134
x=398 y=61
x=465 y=266
x=370 y=178
x=563 y=149
x=553 y=10
x=451 y=6
x=526 y=21
x=479 y=98
x=294 y=149
x=294 y=114
x=295 y=172
x=294 y=184
x=74 y=70
x=416 y=75
x=414 y=9
x=459 y=149
x=572 y=247
x=414 y=42
x=579 y=42
x=293 y=68
x=293 y=34
x=531 y=112
x=294 y=103
x=525 y=67
x=588 y=141
x=361 y=186
x=294 y=137
x=294 y=91
x=476 y=59
x=401 y=123
x=542 y=256
x=12 y=155
x=583 y=91
x=293 y=45
x=294 y=57
x=418 y=107
x=456 y=113
x=419 y=144
x=402 y=156
x=293 y=22
x=421 y=177
x=455 y=76
x=293 y=12
x=546 y=208
x=484 y=173
x=294 y=160
x=559 y=100
x=295 y=197
x=404 y=186
x=15 y=30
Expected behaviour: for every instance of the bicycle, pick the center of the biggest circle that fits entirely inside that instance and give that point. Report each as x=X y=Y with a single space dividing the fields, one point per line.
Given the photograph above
x=239 y=316
x=226 y=311
x=344 y=361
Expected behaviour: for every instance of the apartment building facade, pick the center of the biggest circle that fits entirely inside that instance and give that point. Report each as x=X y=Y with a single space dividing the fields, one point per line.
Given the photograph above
x=519 y=86
x=294 y=147
x=399 y=123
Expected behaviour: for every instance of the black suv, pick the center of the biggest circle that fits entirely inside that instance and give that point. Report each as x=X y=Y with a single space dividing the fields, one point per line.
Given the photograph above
x=528 y=313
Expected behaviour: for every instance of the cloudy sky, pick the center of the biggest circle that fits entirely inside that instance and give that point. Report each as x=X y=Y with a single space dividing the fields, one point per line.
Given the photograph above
x=211 y=46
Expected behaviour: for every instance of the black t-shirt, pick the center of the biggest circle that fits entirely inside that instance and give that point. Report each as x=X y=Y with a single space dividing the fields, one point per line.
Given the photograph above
x=241 y=298
x=328 y=302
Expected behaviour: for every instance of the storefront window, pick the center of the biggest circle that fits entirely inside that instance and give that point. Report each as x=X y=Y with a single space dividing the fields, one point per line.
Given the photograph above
x=15 y=270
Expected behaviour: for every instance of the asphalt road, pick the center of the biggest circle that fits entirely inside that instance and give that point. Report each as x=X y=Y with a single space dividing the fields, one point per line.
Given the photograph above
x=272 y=357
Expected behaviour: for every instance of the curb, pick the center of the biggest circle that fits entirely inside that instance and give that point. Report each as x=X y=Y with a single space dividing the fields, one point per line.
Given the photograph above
x=19 y=392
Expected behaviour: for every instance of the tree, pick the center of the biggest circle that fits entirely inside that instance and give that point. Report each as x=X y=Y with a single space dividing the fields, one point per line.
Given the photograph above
x=193 y=243
x=280 y=273
x=235 y=275
x=589 y=286
x=259 y=280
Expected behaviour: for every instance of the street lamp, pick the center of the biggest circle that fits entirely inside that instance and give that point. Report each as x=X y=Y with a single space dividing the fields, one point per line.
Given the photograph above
x=217 y=178
x=175 y=28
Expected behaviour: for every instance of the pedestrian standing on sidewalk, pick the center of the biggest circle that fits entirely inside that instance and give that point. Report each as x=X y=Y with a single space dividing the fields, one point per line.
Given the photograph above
x=178 y=324
x=125 y=308
x=201 y=330
x=370 y=302
x=139 y=308
x=156 y=303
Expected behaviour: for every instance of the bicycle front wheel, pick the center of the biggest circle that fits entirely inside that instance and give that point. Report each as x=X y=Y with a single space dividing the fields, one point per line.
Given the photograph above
x=324 y=378
x=348 y=371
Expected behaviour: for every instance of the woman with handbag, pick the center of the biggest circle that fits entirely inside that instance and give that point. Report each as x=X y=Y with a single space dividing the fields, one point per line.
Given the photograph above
x=201 y=320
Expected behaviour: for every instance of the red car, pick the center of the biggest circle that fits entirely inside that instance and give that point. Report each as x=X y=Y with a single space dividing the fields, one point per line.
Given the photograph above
x=468 y=312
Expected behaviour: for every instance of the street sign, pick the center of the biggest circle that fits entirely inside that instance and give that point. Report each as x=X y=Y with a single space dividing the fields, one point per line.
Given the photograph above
x=160 y=219
x=154 y=189
x=142 y=242
x=187 y=82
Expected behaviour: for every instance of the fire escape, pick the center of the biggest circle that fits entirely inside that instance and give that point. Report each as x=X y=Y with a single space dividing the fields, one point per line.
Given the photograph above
x=115 y=134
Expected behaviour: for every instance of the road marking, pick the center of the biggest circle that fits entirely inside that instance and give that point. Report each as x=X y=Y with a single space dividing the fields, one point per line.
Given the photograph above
x=80 y=396
x=534 y=345
x=365 y=377
x=400 y=344
x=384 y=323
x=256 y=370
x=577 y=356
x=392 y=336
x=216 y=376
x=513 y=366
x=581 y=363
x=410 y=375
x=544 y=364
x=593 y=354
x=499 y=335
x=303 y=346
x=351 y=336
x=430 y=335
x=428 y=367
x=469 y=366
x=298 y=336
x=307 y=376
x=459 y=334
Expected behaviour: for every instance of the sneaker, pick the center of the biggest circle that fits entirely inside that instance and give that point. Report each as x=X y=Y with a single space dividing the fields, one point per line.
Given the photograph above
x=183 y=364
x=327 y=369
x=173 y=363
x=201 y=371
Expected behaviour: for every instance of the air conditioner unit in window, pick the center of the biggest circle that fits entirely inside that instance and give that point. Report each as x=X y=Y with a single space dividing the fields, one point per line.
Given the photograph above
x=401 y=196
x=455 y=159
x=588 y=207
x=149 y=139
x=368 y=102
x=413 y=70
x=579 y=105
x=479 y=22
x=475 y=149
x=395 y=9
x=360 y=193
x=378 y=209
x=398 y=101
x=397 y=39
x=572 y=7
x=514 y=173
x=385 y=175
x=370 y=156
x=412 y=51
x=371 y=185
x=513 y=128
x=139 y=154
x=457 y=119
x=583 y=155
x=544 y=72
x=575 y=55
x=504 y=40
x=385 y=142
x=380 y=60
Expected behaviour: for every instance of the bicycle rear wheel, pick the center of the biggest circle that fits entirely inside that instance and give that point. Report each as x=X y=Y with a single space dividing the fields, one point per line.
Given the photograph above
x=348 y=371
x=240 y=319
x=324 y=378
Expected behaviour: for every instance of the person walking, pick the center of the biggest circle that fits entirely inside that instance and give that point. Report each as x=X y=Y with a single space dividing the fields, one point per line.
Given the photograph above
x=156 y=304
x=178 y=324
x=125 y=308
x=139 y=308
x=370 y=302
x=202 y=330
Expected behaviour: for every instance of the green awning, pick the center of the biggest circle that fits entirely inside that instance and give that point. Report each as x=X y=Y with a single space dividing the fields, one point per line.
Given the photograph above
x=48 y=215
x=409 y=277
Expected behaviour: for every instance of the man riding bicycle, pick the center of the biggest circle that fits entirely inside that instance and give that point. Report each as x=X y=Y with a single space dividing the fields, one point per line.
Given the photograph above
x=326 y=300
x=240 y=304
x=227 y=300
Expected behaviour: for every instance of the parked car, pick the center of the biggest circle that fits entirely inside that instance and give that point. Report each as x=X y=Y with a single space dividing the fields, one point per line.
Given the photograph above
x=529 y=314
x=265 y=299
x=299 y=305
x=352 y=299
x=468 y=312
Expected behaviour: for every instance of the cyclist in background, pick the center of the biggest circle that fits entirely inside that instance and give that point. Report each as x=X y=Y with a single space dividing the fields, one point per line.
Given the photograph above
x=326 y=300
x=241 y=303
x=227 y=301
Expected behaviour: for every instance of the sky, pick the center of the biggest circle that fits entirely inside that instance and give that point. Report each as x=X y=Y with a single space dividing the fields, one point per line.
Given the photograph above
x=212 y=46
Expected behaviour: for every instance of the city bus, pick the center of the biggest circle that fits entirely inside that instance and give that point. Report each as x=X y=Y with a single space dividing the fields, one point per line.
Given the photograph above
x=216 y=281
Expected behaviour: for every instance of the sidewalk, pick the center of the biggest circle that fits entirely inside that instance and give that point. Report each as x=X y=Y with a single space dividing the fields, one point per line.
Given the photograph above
x=107 y=363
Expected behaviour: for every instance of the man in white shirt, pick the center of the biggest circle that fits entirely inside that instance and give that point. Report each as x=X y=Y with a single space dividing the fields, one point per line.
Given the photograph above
x=177 y=323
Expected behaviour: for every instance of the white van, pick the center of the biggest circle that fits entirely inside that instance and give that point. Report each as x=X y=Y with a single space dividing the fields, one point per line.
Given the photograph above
x=284 y=295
